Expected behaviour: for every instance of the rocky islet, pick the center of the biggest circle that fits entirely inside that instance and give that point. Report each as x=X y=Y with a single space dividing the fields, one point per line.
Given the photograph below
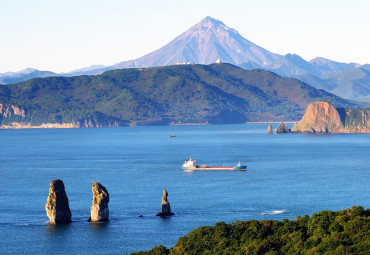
x=99 y=209
x=57 y=206
x=166 y=208
x=282 y=129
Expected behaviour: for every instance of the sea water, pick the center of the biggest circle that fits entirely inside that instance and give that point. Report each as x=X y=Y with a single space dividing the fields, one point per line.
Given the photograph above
x=287 y=175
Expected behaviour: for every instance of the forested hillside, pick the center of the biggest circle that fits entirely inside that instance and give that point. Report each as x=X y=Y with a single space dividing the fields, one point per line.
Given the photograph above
x=326 y=232
x=180 y=94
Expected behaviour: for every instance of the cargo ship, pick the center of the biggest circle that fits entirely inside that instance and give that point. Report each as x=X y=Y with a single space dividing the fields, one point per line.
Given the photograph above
x=191 y=165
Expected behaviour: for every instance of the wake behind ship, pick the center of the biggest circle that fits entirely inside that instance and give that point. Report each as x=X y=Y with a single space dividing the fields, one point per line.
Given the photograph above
x=191 y=165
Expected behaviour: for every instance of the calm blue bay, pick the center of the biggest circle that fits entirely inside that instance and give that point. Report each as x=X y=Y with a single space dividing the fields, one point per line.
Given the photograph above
x=287 y=175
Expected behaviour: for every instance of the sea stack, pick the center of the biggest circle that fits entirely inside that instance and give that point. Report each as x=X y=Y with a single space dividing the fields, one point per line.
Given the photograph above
x=282 y=129
x=99 y=208
x=269 y=129
x=57 y=206
x=166 y=208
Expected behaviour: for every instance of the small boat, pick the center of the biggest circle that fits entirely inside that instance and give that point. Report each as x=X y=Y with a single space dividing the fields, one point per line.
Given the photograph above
x=191 y=165
x=172 y=136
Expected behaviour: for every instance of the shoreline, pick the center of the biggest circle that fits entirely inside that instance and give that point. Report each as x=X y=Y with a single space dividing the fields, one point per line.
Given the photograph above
x=17 y=125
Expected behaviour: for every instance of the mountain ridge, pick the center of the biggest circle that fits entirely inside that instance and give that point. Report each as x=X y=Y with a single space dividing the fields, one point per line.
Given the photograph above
x=171 y=95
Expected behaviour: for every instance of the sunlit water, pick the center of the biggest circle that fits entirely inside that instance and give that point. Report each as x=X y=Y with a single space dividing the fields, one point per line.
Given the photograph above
x=287 y=175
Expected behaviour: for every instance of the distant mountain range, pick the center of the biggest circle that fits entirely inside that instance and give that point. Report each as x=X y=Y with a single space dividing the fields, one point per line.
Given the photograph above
x=211 y=39
x=24 y=75
x=169 y=95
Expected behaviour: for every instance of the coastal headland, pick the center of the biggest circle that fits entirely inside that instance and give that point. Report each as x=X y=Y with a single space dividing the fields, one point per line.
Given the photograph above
x=322 y=117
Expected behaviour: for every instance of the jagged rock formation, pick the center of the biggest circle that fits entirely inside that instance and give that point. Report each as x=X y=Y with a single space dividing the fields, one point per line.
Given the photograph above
x=269 y=129
x=322 y=117
x=282 y=129
x=57 y=207
x=166 y=208
x=99 y=208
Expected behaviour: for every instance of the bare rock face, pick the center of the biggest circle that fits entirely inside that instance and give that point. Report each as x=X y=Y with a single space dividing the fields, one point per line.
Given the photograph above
x=320 y=117
x=57 y=206
x=166 y=208
x=9 y=110
x=282 y=129
x=99 y=208
x=357 y=121
x=269 y=129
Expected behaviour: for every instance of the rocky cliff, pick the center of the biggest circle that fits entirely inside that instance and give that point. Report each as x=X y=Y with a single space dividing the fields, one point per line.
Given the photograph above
x=322 y=117
x=7 y=110
x=99 y=208
x=57 y=206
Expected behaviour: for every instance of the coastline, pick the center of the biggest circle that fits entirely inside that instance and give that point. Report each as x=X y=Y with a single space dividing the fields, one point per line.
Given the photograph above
x=275 y=122
x=17 y=125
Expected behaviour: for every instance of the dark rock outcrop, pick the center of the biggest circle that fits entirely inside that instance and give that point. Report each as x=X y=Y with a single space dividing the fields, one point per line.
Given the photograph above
x=57 y=206
x=166 y=208
x=282 y=129
x=99 y=208
x=322 y=117
x=269 y=129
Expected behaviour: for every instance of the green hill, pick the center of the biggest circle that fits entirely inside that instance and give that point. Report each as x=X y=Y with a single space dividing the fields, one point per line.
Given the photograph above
x=326 y=232
x=181 y=94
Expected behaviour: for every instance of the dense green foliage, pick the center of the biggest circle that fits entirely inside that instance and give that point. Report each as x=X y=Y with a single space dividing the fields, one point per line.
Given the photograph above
x=326 y=232
x=218 y=93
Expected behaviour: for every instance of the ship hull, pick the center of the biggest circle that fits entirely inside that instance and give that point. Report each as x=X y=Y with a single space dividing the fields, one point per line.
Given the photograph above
x=215 y=168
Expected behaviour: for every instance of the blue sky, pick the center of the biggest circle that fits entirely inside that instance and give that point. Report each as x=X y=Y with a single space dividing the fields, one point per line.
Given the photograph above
x=63 y=35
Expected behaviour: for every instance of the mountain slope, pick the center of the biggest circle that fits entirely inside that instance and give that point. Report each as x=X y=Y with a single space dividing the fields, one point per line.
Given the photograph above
x=90 y=70
x=218 y=93
x=292 y=65
x=351 y=83
x=327 y=66
x=204 y=43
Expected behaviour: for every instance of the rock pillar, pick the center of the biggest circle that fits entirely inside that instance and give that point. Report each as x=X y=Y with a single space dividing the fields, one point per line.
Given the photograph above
x=57 y=206
x=269 y=129
x=99 y=208
x=166 y=208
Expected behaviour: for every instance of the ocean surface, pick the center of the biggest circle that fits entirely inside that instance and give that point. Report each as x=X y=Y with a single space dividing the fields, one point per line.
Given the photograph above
x=287 y=175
